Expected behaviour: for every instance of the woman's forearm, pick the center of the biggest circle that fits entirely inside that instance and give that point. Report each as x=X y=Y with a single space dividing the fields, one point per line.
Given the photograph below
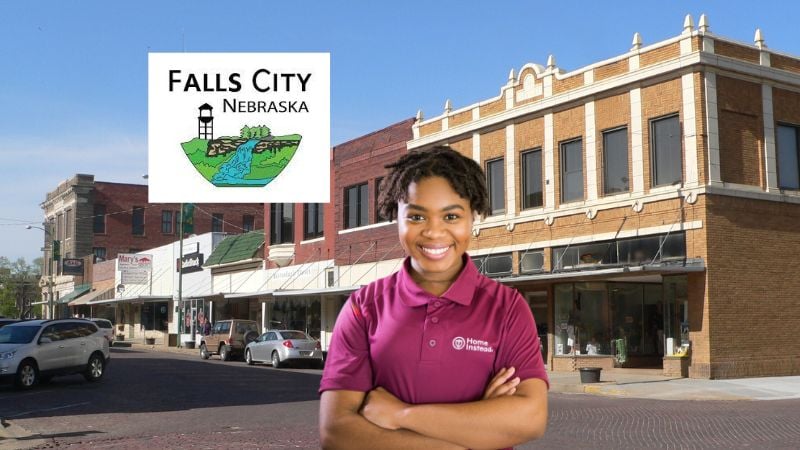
x=493 y=423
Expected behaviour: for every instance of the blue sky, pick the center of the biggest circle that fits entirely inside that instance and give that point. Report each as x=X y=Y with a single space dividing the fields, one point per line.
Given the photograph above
x=73 y=77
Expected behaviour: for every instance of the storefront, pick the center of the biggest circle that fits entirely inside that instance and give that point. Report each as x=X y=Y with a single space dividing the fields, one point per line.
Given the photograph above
x=143 y=318
x=630 y=317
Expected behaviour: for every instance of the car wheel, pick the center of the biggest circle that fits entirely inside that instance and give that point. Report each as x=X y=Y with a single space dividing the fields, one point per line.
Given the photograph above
x=276 y=360
x=248 y=358
x=204 y=351
x=224 y=353
x=95 y=368
x=27 y=375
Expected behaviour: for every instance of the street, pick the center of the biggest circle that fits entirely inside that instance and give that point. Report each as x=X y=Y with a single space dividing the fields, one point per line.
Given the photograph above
x=168 y=400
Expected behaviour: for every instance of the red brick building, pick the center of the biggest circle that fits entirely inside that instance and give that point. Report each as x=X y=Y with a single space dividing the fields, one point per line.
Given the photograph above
x=101 y=219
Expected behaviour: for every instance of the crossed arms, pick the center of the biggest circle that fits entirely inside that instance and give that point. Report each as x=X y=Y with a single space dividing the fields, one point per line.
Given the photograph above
x=511 y=412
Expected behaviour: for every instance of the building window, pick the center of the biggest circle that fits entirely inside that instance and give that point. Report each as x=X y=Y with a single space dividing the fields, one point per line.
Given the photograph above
x=99 y=254
x=70 y=225
x=166 y=222
x=248 y=223
x=99 y=219
x=665 y=154
x=313 y=220
x=497 y=186
x=282 y=223
x=378 y=216
x=356 y=206
x=788 y=157
x=60 y=227
x=137 y=224
x=532 y=179
x=615 y=161
x=216 y=223
x=572 y=171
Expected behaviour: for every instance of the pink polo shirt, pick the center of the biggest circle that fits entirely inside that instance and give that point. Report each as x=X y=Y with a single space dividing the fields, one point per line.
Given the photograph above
x=427 y=349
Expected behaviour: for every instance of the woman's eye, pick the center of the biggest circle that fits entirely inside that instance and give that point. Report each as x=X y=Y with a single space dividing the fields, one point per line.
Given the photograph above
x=451 y=217
x=415 y=218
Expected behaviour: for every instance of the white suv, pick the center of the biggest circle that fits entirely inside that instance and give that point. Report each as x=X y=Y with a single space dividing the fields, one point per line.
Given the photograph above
x=34 y=351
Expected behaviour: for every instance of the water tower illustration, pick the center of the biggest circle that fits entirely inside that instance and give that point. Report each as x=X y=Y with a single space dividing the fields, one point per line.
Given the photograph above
x=205 y=122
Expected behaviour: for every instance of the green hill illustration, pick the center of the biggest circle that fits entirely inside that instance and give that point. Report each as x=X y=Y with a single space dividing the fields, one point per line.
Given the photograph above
x=252 y=159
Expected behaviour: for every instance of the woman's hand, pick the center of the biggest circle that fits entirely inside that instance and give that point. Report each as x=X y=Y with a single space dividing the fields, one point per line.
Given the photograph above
x=502 y=384
x=382 y=408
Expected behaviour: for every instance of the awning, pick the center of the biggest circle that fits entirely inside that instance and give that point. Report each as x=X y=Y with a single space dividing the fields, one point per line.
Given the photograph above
x=234 y=296
x=343 y=290
x=609 y=273
x=134 y=299
x=100 y=291
x=77 y=292
x=238 y=248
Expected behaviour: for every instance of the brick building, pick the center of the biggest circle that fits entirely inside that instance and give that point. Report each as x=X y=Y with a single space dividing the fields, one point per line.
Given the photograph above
x=96 y=220
x=646 y=205
x=314 y=255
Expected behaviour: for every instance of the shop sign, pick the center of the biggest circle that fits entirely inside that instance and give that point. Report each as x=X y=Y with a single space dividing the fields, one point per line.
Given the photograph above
x=135 y=268
x=193 y=262
x=72 y=266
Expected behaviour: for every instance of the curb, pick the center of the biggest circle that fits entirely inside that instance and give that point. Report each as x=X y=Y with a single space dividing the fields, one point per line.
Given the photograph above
x=11 y=434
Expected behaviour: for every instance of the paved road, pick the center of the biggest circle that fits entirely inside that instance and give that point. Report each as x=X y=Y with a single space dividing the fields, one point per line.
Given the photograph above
x=163 y=400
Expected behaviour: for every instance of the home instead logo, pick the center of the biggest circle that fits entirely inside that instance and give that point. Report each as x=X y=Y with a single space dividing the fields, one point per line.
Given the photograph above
x=239 y=127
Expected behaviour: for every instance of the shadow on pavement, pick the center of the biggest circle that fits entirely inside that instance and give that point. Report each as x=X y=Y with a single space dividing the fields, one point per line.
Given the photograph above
x=137 y=382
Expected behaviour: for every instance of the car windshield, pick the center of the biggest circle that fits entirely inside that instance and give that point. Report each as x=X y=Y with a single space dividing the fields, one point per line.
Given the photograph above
x=17 y=335
x=293 y=335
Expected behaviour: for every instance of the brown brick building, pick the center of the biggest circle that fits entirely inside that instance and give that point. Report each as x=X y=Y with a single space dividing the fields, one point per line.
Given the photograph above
x=646 y=205
x=96 y=220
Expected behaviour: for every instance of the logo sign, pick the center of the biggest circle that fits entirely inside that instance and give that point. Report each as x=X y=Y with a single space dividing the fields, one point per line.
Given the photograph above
x=135 y=268
x=239 y=127
x=459 y=343
x=472 y=345
x=72 y=266
x=193 y=262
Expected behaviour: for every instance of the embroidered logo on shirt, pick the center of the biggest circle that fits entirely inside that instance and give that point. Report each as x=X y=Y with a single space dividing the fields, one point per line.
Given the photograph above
x=472 y=345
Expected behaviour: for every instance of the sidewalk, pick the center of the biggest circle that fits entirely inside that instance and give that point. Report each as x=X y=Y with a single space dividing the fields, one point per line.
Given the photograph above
x=632 y=383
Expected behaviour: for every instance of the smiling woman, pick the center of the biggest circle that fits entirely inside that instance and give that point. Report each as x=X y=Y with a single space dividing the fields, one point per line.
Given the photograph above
x=435 y=355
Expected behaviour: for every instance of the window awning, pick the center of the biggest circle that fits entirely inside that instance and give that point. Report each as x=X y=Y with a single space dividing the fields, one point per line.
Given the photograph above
x=609 y=273
x=238 y=295
x=100 y=291
x=343 y=290
x=236 y=249
x=77 y=292
x=134 y=299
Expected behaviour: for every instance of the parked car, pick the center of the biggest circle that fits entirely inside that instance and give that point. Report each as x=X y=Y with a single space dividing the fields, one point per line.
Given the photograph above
x=34 y=351
x=281 y=346
x=6 y=321
x=107 y=328
x=228 y=338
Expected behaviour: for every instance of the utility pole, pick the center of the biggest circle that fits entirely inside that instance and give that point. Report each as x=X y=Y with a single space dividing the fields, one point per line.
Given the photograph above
x=180 y=282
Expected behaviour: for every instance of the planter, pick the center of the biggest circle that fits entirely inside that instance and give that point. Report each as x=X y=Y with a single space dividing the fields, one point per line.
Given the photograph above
x=120 y=337
x=188 y=344
x=150 y=341
x=590 y=374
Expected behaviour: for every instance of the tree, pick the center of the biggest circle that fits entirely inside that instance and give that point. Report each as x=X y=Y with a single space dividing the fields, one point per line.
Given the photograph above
x=18 y=285
x=246 y=132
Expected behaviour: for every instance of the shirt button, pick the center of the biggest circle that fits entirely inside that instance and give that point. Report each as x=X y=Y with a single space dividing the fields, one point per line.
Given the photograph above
x=435 y=320
x=437 y=304
x=432 y=342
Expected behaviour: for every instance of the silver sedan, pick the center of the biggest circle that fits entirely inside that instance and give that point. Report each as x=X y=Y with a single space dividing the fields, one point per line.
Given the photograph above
x=280 y=346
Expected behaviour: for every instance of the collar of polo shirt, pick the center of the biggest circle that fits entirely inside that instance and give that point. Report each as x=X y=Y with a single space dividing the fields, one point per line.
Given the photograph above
x=461 y=291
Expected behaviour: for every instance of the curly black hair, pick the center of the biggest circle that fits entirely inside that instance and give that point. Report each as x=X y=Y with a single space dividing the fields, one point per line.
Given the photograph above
x=464 y=175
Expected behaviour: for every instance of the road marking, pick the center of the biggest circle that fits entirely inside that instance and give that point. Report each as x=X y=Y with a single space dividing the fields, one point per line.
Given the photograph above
x=47 y=409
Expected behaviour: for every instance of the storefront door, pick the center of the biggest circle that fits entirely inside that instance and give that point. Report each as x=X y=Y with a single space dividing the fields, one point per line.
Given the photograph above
x=537 y=300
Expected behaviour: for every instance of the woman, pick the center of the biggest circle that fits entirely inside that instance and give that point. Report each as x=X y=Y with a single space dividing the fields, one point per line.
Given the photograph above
x=425 y=357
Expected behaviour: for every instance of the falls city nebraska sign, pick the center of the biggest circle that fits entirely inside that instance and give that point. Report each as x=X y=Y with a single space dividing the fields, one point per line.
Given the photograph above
x=239 y=127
